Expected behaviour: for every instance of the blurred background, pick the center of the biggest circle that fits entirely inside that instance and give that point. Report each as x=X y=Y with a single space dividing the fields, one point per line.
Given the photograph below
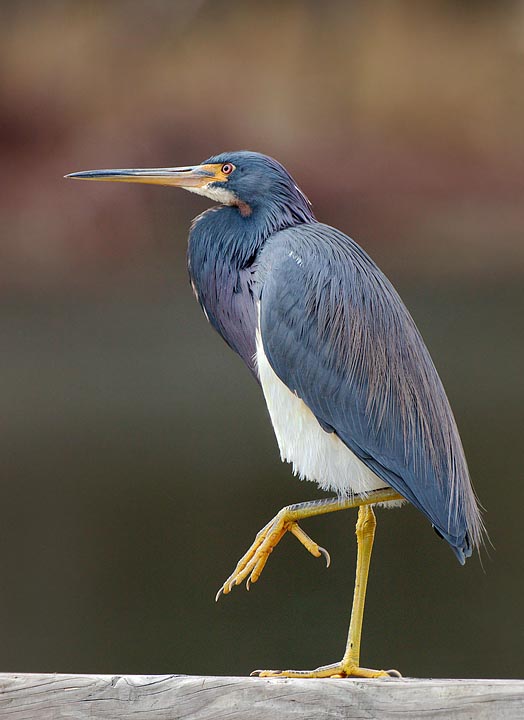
x=137 y=458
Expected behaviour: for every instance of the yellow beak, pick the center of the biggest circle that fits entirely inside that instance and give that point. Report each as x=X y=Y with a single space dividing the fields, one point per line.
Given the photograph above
x=195 y=176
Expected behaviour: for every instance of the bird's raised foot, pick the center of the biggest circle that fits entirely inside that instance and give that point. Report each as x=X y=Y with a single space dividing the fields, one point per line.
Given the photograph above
x=336 y=670
x=250 y=566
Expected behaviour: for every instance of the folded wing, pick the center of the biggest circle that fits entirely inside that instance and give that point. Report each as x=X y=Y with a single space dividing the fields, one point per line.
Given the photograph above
x=338 y=335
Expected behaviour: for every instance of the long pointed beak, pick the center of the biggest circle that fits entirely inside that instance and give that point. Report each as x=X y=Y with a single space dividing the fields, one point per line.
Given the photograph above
x=195 y=176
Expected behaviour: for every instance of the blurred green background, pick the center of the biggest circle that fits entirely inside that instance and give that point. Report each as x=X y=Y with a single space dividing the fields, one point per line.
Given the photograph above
x=136 y=454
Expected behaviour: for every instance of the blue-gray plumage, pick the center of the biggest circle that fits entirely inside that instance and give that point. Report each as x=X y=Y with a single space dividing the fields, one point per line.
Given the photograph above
x=225 y=245
x=337 y=334
x=353 y=395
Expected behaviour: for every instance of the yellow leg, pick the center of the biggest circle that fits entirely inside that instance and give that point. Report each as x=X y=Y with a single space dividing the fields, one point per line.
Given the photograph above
x=350 y=663
x=365 y=532
x=252 y=563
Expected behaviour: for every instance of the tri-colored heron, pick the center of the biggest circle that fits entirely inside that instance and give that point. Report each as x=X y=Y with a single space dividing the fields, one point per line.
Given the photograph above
x=353 y=395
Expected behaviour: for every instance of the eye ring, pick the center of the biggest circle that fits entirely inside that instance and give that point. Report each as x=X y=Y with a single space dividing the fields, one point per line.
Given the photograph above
x=227 y=168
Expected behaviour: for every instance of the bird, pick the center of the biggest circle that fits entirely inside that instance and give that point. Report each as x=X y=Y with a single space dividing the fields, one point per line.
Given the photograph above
x=353 y=395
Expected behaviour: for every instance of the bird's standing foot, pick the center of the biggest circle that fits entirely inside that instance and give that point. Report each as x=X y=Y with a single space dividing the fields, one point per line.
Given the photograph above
x=250 y=566
x=337 y=670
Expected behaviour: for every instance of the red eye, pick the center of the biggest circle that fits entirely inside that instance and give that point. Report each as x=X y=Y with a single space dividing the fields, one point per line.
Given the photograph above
x=227 y=168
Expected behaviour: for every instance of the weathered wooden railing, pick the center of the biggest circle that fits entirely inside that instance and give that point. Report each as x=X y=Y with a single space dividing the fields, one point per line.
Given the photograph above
x=169 y=697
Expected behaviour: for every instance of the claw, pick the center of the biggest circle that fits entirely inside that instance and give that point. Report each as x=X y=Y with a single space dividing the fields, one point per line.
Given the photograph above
x=219 y=593
x=394 y=673
x=326 y=555
x=262 y=673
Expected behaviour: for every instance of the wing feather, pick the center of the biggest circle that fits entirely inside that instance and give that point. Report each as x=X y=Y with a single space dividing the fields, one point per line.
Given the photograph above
x=338 y=335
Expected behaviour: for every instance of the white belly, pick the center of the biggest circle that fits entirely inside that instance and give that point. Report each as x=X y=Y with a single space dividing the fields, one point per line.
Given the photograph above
x=315 y=454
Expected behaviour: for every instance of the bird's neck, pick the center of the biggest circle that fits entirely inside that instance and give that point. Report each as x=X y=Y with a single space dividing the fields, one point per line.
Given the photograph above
x=234 y=235
x=224 y=235
x=224 y=244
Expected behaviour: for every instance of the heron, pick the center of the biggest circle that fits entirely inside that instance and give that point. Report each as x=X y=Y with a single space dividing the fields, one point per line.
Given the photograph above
x=354 y=398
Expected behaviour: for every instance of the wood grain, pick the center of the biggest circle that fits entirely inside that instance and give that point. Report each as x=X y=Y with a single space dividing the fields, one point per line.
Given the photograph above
x=169 y=697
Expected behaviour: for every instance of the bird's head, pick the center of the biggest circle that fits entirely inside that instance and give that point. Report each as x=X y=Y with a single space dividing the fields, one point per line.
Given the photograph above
x=249 y=180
